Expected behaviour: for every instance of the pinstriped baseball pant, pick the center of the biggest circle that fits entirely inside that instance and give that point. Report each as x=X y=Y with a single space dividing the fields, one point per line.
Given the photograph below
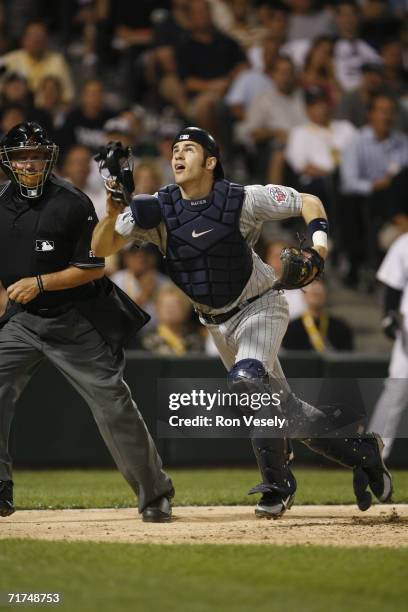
x=255 y=332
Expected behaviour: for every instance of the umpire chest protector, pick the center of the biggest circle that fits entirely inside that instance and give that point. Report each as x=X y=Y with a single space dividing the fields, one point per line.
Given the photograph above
x=207 y=256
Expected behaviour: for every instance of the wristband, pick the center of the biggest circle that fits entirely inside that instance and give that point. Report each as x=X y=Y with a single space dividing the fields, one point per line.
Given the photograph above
x=40 y=283
x=318 y=230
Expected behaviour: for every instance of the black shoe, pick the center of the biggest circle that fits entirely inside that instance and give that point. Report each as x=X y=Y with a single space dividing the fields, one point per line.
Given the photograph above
x=276 y=499
x=273 y=505
x=158 y=511
x=6 y=498
x=379 y=478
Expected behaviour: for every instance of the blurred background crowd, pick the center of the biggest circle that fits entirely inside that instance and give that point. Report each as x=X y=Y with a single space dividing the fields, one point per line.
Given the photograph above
x=303 y=93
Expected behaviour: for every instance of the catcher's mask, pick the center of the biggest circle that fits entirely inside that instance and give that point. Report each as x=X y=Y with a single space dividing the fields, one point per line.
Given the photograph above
x=28 y=157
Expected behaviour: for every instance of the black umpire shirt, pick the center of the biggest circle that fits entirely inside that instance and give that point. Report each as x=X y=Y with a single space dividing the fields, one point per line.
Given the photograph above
x=46 y=235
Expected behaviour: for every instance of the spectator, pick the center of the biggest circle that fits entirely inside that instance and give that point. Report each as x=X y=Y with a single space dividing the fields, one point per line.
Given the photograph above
x=147 y=177
x=274 y=18
x=140 y=278
x=167 y=35
x=396 y=76
x=77 y=168
x=84 y=124
x=350 y=52
x=49 y=99
x=353 y=105
x=318 y=70
x=124 y=36
x=371 y=163
x=295 y=297
x=316 y=330
x=315 y=148
x=271 y=115
x=11 y=115
x=207 y=63
x=15 y=92
x=35 y=61
x=174 y=334
x=249 y=84
x=378 y=22
x=244 y=27
x=306 y=22
x=377 y=153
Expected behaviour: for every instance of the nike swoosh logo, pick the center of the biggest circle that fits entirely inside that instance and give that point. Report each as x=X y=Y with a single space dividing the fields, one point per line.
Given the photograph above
x=195 y=235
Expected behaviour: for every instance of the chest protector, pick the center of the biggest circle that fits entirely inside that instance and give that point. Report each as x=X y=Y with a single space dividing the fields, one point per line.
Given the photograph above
x=207 y=256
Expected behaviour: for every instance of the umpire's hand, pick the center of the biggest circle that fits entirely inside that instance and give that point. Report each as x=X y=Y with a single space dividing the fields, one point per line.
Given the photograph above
x=24 y=290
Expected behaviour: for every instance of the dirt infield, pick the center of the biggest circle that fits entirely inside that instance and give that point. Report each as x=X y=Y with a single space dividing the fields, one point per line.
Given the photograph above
x=323 y=525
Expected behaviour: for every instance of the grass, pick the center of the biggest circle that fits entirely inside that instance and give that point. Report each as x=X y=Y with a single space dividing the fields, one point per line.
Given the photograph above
x=106 y=488
x=202 y=578
x=99 y=577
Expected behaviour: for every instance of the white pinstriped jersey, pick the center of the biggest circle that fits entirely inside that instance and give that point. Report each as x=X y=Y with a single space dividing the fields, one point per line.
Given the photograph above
x=261 y=203
x=394 y=271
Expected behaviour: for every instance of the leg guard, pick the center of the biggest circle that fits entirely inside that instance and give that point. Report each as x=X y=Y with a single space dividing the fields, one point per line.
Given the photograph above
x=363 y=454
x=278 y=484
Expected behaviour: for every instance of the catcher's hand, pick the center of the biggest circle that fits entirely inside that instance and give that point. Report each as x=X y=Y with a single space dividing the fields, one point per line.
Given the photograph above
x=299 y=268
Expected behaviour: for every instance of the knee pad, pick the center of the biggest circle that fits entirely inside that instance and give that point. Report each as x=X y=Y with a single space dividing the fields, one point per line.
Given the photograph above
x=248 y=376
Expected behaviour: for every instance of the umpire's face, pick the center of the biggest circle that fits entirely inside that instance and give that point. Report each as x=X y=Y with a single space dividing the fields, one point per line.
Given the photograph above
x=29 y=165
x=190 y=162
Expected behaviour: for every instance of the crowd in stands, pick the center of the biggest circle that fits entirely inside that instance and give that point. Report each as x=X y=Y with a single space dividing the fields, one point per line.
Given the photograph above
x=298 y=92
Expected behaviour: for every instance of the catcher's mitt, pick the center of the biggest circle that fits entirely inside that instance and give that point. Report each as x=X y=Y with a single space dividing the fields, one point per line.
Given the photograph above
x=299 y=267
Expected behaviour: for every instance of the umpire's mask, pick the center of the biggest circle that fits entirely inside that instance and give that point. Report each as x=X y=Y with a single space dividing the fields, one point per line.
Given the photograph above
x=27 y=157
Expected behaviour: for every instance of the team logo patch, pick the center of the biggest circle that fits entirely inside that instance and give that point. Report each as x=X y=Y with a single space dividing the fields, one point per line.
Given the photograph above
x=184 y=137
x=44 y=245
x=278 y=194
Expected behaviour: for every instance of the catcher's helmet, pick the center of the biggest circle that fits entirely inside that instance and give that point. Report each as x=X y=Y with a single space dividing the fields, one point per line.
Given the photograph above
x=28 y=157
x=208 y=143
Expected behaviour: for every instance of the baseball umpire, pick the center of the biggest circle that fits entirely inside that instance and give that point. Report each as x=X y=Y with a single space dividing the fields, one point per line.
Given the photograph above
x=206 y=226
x=49 y=271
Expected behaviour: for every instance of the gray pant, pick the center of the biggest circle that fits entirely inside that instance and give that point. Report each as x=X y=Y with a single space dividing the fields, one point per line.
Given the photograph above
x=71 y=343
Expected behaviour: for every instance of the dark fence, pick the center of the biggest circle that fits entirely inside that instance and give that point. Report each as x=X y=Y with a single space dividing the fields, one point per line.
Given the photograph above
x=53 y=426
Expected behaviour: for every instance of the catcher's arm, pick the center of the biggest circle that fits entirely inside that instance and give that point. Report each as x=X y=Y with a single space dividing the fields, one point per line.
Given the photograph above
x=312 y=208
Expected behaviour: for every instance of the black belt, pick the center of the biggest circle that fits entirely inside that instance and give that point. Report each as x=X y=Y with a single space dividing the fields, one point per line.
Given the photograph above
x=48 y=313
x=221 y=318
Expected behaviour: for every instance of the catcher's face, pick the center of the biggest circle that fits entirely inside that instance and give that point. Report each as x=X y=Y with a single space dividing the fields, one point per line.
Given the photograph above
x=189 y=163
x=29 y=165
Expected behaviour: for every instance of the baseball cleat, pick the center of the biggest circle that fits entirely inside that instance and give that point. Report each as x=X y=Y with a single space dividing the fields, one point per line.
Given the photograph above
x=6 y=498
x=276 y=497
x=273 y=505
x=158 y=511
x=380 y=479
